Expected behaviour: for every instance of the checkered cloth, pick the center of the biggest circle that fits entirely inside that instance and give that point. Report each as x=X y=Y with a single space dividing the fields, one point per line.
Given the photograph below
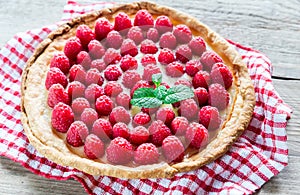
x=259 y=154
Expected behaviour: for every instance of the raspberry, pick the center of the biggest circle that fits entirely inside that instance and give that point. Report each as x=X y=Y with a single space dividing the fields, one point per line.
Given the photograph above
x=197 y=46
x=119 y=151
x=96 y=49
x=136 y=34
x=158 y=131
x=72 y=48
x=61 y=61
x=55 y=75
x=221 y=74
x=77 y=73
x=201 y=79
x=150 y=70
x=79 y=104
x=128 y=63
x=104 y=105
x=89 y=116
x=85 y=34
x=168 y=40
x=93 y=147
x=150 y=111
x=189 y=109
x=209 y=58
x=92 y=92
x=77 y=133
x=98 y=64
x=111 y=56
x=179 y=125
x=84 y=59
x=122 y=22
x=152 y=34
x=209 y=117
x=218 y=96
x=143 y=19
x=183 y=82
x=119 y=114
x=139 y=135
x=123 y=99
x=142 y=119
x=103 y=129
x=163 y=24
x=76 y=89
x=120 y=130
x=112 y=88
x=62 y=117
x=139 y=84
x=183 y=53
x=148 y=47
x=175 y=69
x=201 y=96
x=173 y=149
x=93 y=76
x=130 y=78
x=128 y=47
x=146 y=153
x=102 y=28
x=114 y=39
x=165 y=115
x=196 y=135
x=166 y=56
x=112 y=73
x=192 y=67
x=148 y=59
x=57 y=94
x=182 y=33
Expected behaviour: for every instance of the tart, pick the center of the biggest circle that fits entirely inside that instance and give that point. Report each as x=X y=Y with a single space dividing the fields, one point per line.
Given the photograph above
x=138 y=90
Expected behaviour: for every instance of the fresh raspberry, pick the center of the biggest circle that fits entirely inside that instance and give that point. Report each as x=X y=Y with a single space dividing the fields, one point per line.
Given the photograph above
x=128 y=47
x=196 y=135
x=165 y=115
x=120 y=130
x=62 y=117
x=148 y=59
x=201 y=79
x=139 y=135
x=146 y=153
x=72 y=48
x=182 y=33
x=150 y=70
x=77 y=73
x=89 y=116
x=111 y=56
x=128 y=63
x=112 y=73
x=183 y=53
x=130 y=78
x=93 y=76
x=175 y=69
x=209 y=117
x=158 y=131
x=104 y=105
x=123 y=99
x=218 y=96
x=103 y=129
x=79 y=104
x=166 y=56
x=192 y=67
x=148 y=47
x=85 y=34
x=163 y=24
x=139 y=84
x=188 y=109
x=179 y=125
x=98 y=64
x=119 y=151
x=183 y=82
x=209 y=58
x=114 y=39
x=84 y=59
x=136 y=34
x=142 y=119
x=102 y=28
x=119 y=114
x=61 y=61
x=76 y=89
x=55 y=75
x=143 y=19
x=93 y=147
x=77 y=133
x=112 y=88
x=152 y=34
x=173 y=149
x=122 y=22
x=221 y=74
x=201 y=96
x=168 y=40
x=92 y=92
x=57 y=94
x=96 y=49
x=197 y=46
x=150 y=111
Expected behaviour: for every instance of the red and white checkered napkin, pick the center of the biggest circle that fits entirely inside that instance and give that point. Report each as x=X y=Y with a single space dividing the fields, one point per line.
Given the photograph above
x=259 y=154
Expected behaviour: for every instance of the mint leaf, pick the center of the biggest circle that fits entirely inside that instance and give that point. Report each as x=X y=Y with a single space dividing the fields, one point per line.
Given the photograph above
x=146 y=102
x=178 y=93
x=156 y=79
x=143 y=92
x=160 y=92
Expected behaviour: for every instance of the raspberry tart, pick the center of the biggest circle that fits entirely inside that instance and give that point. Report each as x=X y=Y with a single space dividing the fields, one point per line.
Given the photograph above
x=135 y=91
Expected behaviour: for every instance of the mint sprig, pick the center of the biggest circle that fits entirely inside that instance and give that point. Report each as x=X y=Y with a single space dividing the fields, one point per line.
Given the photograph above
x=151 y=98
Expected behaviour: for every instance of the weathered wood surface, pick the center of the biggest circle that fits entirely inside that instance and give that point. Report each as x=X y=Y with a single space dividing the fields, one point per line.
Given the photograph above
x=273 y=27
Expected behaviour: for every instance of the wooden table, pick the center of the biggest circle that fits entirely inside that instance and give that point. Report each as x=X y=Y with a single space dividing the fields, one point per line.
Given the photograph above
x=273 y=27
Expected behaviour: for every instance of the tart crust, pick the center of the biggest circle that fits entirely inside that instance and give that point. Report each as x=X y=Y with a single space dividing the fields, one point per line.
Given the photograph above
x=36 y=115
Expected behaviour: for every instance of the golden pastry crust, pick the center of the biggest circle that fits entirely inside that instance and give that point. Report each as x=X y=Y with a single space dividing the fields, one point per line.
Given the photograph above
x=36 y=115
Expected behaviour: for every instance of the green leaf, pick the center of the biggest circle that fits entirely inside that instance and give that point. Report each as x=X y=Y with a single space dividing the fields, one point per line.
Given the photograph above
x=156 y=79
x=178 y=93
x=160 y=92
x=146 y=102
x=143 y=92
